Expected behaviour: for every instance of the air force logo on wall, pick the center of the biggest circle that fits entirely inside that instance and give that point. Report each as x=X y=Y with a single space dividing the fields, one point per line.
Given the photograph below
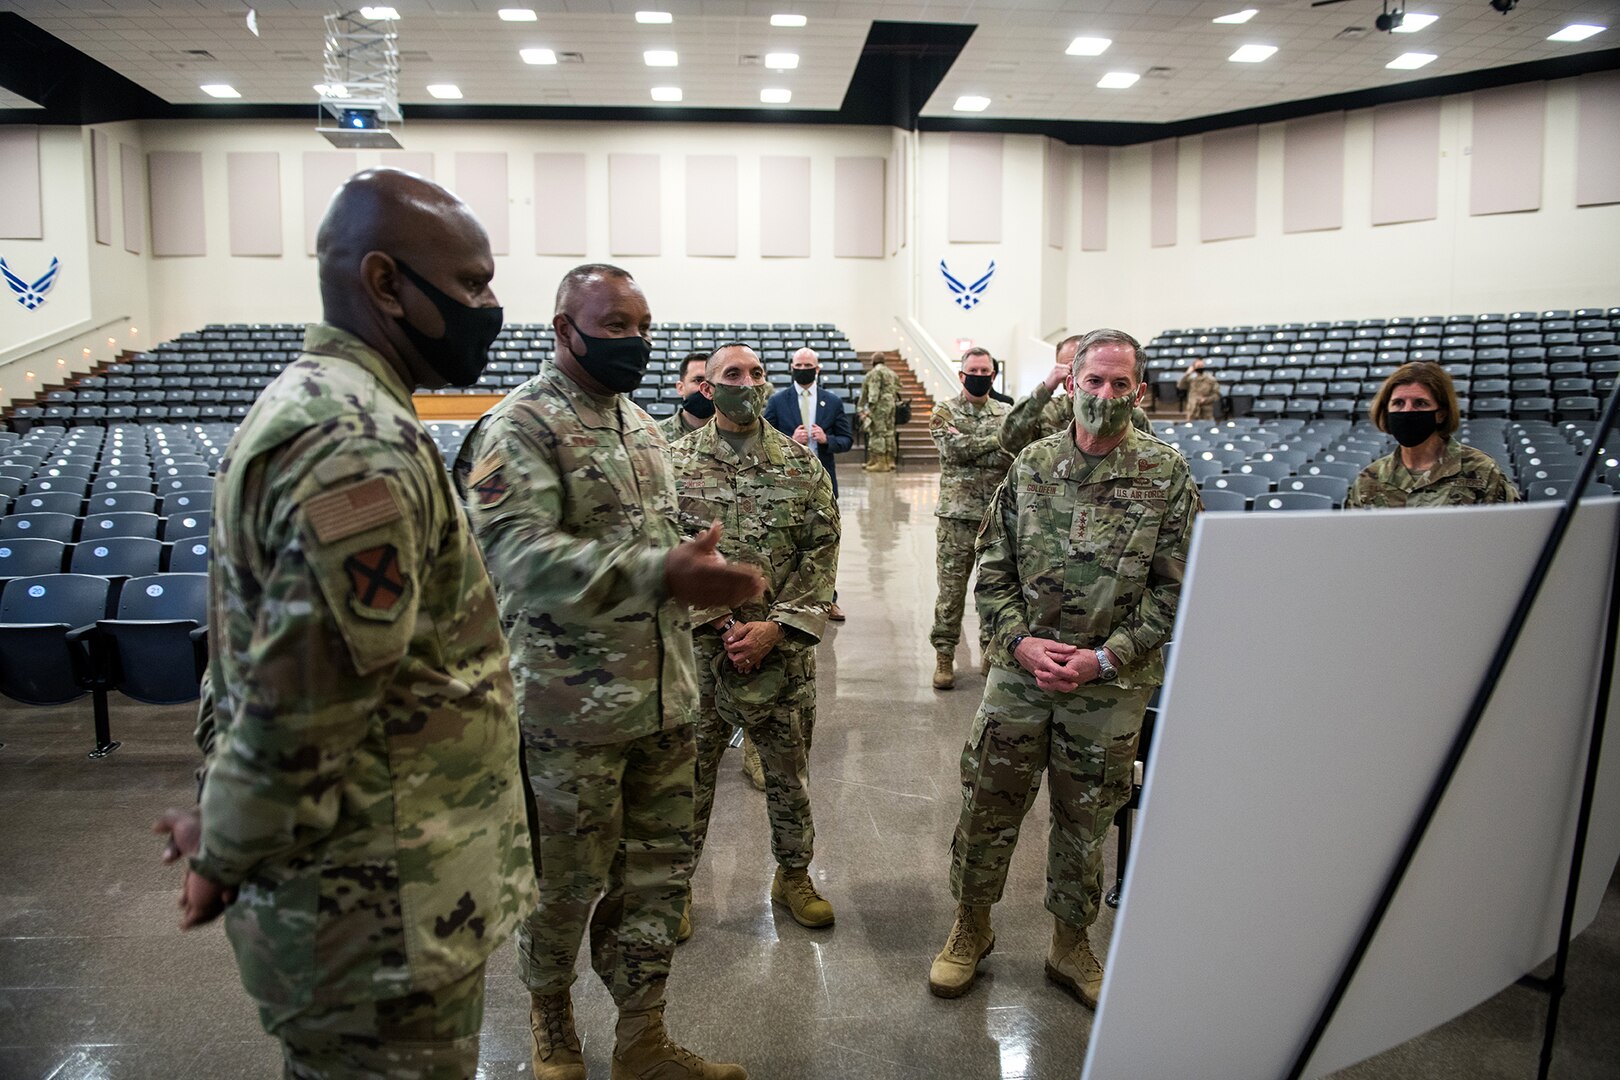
x=30 y=295
x=967 y=296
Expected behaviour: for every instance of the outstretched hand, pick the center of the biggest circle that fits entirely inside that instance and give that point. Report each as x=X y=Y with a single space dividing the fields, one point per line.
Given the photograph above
x=694 y=571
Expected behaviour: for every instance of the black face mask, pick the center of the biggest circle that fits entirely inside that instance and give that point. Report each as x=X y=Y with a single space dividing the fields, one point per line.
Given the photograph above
x=618 y=363
x=804 y=376
x=1412 y=428
x=460 y=355
x=697 y=405
x=977 y=385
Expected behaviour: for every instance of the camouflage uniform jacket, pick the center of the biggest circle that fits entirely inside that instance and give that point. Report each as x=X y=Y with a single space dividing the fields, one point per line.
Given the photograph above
x=777 y=513
x=1201 y=387
x=880 y=394
x=1045 y=412
x=1089 y=556
x=573 y=501
x=675 y=427
x=361 y=788
x=1464 y=477
x=971 y=460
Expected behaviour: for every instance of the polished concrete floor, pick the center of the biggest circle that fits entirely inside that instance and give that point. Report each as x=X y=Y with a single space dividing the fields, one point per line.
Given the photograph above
x=96 y=982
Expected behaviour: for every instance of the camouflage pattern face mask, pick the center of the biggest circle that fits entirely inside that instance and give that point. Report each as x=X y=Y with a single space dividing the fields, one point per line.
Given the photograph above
x=1102 y=417
x=741 y=405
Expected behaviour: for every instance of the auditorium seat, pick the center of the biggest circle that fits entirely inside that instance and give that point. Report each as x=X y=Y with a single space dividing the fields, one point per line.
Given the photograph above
x=1223 y=500
x=124 y=556
x=39 y=664
x=157 y=618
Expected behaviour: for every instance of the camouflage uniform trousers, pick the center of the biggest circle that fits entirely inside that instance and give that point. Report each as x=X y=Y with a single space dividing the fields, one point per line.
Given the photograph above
x=779 y=733
x=428 y=1035
x=615 y=823
x=1201 y=410
x=880 y=436
x=953 y=563
x=1086 y=740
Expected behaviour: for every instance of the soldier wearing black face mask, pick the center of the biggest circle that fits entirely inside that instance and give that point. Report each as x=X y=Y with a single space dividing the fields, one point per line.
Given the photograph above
x=1418 y=406
x=695 y=409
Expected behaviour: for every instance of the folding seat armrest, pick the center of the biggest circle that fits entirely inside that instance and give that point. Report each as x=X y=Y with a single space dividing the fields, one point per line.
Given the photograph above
x=199 y=650
x=87 y=648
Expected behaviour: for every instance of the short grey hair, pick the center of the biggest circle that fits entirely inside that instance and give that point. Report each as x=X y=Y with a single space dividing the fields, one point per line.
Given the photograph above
x=1107 y=336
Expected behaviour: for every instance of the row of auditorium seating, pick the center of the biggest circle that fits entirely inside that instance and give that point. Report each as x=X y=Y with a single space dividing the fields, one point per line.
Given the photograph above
x=65 y=635
x=1524 y=365
x=214 y=375
x=1292 y=464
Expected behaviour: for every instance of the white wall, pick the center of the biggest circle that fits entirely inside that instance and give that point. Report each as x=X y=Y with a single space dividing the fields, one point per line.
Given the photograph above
x=853 y=293
x=100 y=290
x=1558 y=257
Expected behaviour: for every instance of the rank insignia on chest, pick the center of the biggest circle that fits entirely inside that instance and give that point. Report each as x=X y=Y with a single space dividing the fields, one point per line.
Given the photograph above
x=375 y=576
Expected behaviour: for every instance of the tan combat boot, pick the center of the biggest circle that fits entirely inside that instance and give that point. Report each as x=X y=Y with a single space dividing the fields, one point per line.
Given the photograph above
x=957 y=965
x=944 y=671
x=1072 y=965
x=886 y=464
x=751 y=766
x=794 y=891
x=685 y=930
x=642 y=1050
x=556 y=1046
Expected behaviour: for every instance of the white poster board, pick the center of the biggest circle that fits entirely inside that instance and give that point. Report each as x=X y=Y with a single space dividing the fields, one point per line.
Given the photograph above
x=1323 y=663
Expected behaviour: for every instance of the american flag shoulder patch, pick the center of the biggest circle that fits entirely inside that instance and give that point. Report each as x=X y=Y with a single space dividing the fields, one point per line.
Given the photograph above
x=353 y=508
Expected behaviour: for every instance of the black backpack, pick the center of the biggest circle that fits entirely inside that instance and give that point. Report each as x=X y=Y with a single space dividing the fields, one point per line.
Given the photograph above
x=902 y=412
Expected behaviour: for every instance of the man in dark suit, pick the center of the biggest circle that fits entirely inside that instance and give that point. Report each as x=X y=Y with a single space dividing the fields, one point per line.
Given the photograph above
x=813 y=416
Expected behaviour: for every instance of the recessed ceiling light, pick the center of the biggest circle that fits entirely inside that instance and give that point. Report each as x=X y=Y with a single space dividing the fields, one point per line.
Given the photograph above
x=1576 y=32
x=666 y=93
x=661 y=57
x=972 y=103
x=775 y=97
x=220 y=90
x=1118 y=80
x=448 y=91
x=1237 y=16
x=781 y=61
x=538 y=56
x=379 y=13
x=1412 y=22
x=1252 y=54
x=334 y=90
x=788 y=20
x=655 y=17
x=1410 y=61
x=517 y=14
x=1088 y=46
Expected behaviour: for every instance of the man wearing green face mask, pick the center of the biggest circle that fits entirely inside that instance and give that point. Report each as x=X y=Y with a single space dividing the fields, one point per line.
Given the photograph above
x=1081 y=557
x=1044 y=411
x=756 y=659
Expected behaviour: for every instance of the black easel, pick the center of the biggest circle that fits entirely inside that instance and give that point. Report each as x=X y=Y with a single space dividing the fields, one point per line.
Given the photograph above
x=1459 y=747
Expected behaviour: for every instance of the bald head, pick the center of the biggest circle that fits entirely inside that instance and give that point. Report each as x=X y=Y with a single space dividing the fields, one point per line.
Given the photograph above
x=403 y=216
x=395 y=251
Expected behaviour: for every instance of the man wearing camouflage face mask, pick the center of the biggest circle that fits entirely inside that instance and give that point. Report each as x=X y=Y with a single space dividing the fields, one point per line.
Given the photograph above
x=1081 y=557
x=757 y=659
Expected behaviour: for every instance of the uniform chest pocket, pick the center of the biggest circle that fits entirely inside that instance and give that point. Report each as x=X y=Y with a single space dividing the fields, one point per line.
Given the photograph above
x=702 y=506
x=1046 y=519
x=1123 y=534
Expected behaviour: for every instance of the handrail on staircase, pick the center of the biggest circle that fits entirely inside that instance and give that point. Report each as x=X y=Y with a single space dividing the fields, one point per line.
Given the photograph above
x=934 y=368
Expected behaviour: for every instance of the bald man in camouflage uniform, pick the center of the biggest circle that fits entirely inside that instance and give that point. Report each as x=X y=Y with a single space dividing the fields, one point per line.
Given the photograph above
x=966 y=431
x=880 y=394
x=757 y=662
x=1044 y=412
x=1080 y=567
x=570 y=492
x=362 y=812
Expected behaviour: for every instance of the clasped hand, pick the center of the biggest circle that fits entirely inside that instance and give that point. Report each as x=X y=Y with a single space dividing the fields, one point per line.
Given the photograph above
x=201 y=900
x=747 y=644
x=1056 y=666
x=802 y=436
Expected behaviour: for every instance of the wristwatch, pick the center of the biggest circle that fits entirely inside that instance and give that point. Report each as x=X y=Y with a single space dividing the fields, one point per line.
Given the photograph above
x=1106 y=672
